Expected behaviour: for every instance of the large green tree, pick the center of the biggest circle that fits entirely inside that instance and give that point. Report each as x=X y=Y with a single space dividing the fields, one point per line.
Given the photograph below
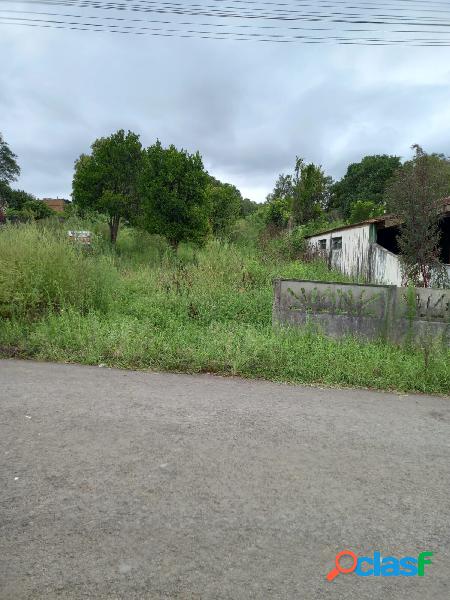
x=278 y=205
x=365 y=181
x=415 y=196
x=311 y=188
x=9 y=170
x=173 y=194
x=106 y=180
x=225 y=202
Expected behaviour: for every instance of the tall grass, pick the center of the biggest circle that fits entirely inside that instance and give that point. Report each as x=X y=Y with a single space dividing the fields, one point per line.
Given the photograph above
x=197 y=310
x=41 y=271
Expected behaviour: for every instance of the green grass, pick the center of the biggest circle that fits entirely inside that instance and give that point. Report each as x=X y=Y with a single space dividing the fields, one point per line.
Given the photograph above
x=208 y=310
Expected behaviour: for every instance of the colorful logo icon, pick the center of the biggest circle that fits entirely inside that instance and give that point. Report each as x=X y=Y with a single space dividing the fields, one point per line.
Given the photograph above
x=378 y=566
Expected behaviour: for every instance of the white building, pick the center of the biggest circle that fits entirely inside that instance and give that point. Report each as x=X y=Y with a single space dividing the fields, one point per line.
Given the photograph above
x=369 y=250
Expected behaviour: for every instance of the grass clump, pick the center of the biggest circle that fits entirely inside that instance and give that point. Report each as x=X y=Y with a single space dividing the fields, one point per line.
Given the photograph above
x=41 y=272
x=198 y=310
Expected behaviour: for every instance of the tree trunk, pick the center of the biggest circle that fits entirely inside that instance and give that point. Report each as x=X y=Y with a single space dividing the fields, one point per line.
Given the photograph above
x=113 y=228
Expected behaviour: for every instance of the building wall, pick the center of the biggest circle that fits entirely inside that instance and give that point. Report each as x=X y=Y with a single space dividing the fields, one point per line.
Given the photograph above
x=56 y=204
x=384 y=266
x=353 y=258
x=360 y=256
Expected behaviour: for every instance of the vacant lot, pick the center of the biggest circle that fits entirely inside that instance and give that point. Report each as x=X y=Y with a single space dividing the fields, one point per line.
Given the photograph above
x=118 y=484
x=143 y=306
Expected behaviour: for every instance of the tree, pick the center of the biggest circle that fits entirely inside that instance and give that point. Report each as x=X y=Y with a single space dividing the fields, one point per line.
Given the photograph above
x=415 y=196
x=278 y=205
x=106 y=180
x=248 y=207
x=29 y=209
x=17 y=199
x=173 y=193
x=9 y=169
x=365 y=181
x=283 y=190
x=5 y=194
x=310 y=192
x=225 y=205
x=23 y=206
x=361 y=210
x=277 y=213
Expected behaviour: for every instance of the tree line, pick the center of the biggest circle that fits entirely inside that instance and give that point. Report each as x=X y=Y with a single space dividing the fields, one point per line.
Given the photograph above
x=308 y=194
x=16 y=203
x=168 y=191
x=161 y=190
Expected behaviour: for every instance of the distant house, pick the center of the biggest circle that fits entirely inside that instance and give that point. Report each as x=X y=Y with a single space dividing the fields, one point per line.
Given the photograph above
x=369 y=250
x=56 y=204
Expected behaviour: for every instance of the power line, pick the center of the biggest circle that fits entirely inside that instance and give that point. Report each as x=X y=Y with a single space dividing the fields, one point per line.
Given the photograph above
x=217 y=25
x=192 y=10
x=81 y=26
x=197 y=35
x=250 y=21
x=230 y=11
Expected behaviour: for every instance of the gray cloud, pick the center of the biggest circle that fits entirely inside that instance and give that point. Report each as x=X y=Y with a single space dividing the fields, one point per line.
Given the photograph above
x=249 y=108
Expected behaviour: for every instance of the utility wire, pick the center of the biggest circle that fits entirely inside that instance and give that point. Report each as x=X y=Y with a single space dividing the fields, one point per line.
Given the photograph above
x=251 y=21
x=190 y=23
x=309 y=17
x=219 y=10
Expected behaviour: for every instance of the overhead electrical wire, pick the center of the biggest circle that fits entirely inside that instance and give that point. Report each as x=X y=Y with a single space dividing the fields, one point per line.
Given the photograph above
x=323 y=21
x=251 y=6
x=226 y=11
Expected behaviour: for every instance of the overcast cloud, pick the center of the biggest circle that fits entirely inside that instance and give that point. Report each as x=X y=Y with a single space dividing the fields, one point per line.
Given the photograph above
x=248 y=107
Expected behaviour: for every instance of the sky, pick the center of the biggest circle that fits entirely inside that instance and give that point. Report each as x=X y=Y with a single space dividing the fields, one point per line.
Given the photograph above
x=249 y=107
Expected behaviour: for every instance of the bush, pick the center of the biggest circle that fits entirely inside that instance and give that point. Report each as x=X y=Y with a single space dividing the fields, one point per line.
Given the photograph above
x=41 y=271
x=137 y=247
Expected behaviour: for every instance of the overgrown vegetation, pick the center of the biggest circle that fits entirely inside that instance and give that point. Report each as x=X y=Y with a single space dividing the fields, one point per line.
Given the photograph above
x=415 y=195
x=179 y=273
x=143 y=305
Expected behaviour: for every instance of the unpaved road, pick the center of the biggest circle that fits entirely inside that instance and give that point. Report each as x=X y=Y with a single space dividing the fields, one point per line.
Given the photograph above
x=116 y=484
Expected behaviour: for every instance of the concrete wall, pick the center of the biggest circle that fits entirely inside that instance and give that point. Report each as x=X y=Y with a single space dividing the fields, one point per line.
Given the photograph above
x=367 y=311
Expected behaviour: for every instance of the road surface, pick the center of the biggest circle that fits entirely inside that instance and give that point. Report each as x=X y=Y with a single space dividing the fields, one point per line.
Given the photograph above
x=122 y=485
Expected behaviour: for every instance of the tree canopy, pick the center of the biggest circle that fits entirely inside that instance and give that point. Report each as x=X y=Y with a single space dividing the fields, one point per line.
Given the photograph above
x=248 y=207
x=225 y=202
x=415 y=195
x=365 y=181
x=106 y=180
x=300 y=197
x=311 y=189
x=9 y=171
x=361 y=210
x=9 y=168
x=173 y=194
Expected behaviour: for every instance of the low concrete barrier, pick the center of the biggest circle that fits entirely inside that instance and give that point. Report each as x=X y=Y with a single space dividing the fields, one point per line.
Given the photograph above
x=367 y=311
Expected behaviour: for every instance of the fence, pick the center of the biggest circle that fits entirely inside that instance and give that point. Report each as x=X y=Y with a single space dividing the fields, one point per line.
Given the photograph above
x=367 y=311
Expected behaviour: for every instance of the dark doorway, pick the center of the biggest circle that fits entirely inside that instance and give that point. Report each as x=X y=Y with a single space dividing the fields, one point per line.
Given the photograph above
x=387 y=237
x=445 y=240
